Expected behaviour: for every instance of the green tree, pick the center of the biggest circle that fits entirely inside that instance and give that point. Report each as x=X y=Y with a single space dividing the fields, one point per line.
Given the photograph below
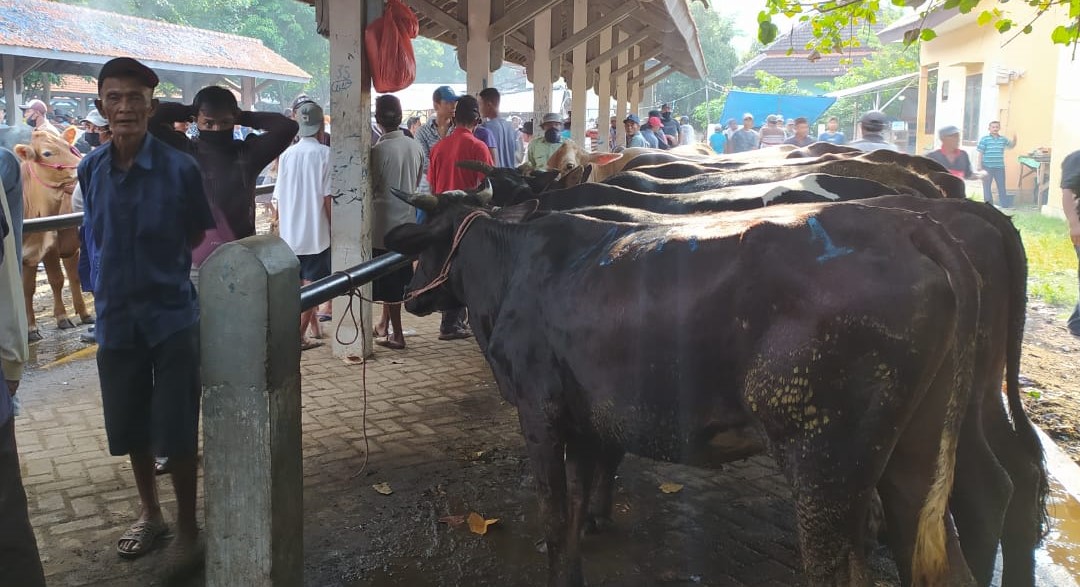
x=831 y=18
x=715 y=33
x=890 y=61
x=436 y=62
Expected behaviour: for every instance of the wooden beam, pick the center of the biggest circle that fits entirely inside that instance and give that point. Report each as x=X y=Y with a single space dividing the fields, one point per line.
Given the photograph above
x=541 y=68
x=593 y=29
x=643 y=56
x=7 y=76
x=516 y=44
x=629 y=41
x=497 y=45
x=578 y=81
x=429 y=10
x=519 y=16
x=603 y=90
x=478 y=59
x=637 y=79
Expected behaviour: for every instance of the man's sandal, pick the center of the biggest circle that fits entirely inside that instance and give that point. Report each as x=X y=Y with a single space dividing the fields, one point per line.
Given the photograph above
x=139 y=539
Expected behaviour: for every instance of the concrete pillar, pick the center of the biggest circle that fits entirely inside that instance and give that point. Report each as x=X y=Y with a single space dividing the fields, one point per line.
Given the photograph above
x=635 y=88
x=622 y=96
x=579 y=83
x=247 y=93
x=249 y=293
x=350 y=109
x=603 y=89
x=477 y=49
x=541 y=68
x=11 y=96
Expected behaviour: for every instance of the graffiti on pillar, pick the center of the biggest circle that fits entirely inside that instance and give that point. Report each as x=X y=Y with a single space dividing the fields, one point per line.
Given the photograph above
x=342 y=80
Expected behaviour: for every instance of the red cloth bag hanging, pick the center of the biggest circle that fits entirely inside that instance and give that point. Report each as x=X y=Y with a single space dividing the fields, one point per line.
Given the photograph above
x=388 y=42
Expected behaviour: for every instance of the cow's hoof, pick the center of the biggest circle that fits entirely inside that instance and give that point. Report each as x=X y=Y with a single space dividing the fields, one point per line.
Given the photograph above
x=34 y=336
x=87 y=319
x=65 y=324
x=598 y=524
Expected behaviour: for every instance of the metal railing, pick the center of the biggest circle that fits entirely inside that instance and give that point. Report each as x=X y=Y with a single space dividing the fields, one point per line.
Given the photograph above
x=75 y=218
x=343 y=282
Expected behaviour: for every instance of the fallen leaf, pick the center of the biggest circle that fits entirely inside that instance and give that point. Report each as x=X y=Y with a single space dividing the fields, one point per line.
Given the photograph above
x=670 y=487
x=478 y=524
x=383 y=488
x=454 y=521
x=353 y=360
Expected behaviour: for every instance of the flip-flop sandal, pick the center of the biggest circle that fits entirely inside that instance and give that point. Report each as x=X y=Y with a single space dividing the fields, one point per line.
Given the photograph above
x=307 y=345
x=390 y=344
x=143 y=534
x=324 y=317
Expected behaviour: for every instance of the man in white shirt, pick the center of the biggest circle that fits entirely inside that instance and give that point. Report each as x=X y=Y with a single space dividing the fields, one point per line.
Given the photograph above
x=302 y=196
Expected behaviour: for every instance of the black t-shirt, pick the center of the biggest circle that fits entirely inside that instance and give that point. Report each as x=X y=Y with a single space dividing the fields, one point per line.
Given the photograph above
x=960 y=166
x=1070 y=172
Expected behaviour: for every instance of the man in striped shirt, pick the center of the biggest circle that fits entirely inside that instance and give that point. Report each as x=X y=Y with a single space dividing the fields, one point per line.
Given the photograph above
x=992 y=159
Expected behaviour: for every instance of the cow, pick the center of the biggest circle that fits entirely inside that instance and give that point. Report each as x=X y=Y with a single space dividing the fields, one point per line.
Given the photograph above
x=48 y=175
x=840 y=336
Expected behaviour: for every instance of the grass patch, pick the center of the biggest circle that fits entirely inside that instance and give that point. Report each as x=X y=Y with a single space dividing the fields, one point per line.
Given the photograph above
x=1051 y=258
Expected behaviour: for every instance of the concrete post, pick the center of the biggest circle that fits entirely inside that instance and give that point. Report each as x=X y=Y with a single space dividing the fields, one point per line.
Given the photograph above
x=350 y=109
x=11 y=97
x=603 y=90
x=249 y=292
x=541 y=68
x=635 y=88
x=622 y=95
x=579 y=88
x=477 y=49
x=248 y=95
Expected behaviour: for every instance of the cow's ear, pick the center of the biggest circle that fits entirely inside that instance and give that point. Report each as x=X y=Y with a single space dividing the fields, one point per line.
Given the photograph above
x=25 y=152
x=517 y=212
x=408 y=239
x=604 y=158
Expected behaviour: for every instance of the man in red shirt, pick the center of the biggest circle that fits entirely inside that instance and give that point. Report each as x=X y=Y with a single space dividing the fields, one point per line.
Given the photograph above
x=461 y=145
x=444 y=176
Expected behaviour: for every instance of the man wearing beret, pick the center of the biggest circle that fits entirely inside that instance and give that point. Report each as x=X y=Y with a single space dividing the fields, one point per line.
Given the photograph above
x=145 y=203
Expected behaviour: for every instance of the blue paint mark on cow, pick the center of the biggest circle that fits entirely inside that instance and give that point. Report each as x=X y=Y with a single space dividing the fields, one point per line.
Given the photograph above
x=660 y=246
x=832 y=251
x=601 y=246
x=692 y=244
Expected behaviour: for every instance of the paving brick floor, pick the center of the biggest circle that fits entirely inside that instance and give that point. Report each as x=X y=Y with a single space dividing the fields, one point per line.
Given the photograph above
x=441 y=437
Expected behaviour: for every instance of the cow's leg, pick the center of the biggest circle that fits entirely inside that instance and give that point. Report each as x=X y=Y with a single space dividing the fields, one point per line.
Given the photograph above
x=71 y=268
x=1024 y=517
x=602 y=493
x=547 y=449
x=980 y=497
x=29 y=277
x=56 y=282
x=581 y=456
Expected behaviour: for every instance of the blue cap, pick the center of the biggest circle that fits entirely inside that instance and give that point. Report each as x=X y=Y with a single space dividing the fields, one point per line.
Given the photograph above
x=632 y=118
x=444 y=94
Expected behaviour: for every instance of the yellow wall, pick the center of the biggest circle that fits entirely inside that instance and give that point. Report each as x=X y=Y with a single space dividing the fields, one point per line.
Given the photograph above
x=1066 y=133
x=1023 y=104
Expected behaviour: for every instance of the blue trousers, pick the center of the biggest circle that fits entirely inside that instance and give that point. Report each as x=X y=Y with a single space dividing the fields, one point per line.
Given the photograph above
x=996 y=175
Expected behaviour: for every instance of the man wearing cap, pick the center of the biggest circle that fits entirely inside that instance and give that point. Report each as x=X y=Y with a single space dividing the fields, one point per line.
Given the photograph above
x=992 y=160
x=954 y=159
x=832 y=133
x=145 y=203
x=789 y=128
x=525 y=133
x=873 y=125
x=652 y=133
x=632 y=124
x=746 y=138
x=19 y=561
x=1070 y=203
x=718 y=140
x=501 y=130
x=444 y=175
x=230 y=167
x=543 y=147
x=686 y=131
x=302 y=200
x=439 y=126
x=35 y=114
x=771 y=134
x=94 y=125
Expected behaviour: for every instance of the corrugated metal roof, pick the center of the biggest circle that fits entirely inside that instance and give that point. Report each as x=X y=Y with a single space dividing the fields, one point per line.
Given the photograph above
x=51 y=30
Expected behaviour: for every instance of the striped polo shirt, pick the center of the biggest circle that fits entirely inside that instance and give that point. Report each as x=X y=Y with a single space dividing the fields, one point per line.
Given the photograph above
x=993 y=151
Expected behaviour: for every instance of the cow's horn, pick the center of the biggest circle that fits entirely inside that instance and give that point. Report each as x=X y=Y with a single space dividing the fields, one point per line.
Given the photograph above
x=485 y=192
x=476 y=166
x=425 y=202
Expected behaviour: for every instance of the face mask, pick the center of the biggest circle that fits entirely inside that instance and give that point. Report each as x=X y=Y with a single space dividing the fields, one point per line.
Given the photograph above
x=32 y=122
x=92 y=138
x=552 y=135
x=666 y=116
x=216 y=137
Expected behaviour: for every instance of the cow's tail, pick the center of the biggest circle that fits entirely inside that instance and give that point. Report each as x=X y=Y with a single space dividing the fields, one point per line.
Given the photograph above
x=1026 y=433
x=930 y=565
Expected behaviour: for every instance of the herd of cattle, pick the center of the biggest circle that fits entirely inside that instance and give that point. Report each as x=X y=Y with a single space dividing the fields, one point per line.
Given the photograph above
x=850 y=313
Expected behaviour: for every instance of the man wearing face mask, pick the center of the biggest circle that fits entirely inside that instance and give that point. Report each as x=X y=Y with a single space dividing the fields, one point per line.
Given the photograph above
x=94 y=126
x=230 y=167
x=35 y=113
x=669 y=131
x=541 y=149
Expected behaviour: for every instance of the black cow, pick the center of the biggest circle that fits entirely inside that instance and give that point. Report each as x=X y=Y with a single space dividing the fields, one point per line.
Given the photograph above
x=841 y=334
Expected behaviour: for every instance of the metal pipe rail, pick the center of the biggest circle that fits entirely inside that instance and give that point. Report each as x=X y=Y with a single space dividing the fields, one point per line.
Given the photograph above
x=75 y=219
x=342 y=282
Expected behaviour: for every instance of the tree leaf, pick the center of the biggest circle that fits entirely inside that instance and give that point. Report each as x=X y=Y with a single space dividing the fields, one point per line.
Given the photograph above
x=1061 y=35
x=984 y=18
x=911 y=35
x=1004 y=25
x=928 y=35
x=670 y=487
x=383 y=488
x=767 y=32
x=478 y=524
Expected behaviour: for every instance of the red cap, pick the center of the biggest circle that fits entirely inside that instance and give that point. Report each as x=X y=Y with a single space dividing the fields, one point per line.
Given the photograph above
x=655 y=121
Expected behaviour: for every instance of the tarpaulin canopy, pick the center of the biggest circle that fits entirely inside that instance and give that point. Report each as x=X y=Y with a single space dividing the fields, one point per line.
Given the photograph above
x=762 y=105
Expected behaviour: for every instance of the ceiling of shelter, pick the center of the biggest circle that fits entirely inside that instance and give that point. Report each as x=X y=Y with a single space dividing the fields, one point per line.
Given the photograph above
x=662 y=28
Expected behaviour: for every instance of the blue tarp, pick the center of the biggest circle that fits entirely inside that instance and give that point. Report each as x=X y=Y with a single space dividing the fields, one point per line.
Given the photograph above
x=762 y=105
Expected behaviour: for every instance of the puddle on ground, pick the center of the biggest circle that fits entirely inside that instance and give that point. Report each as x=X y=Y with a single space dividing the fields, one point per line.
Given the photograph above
x=1063 y=541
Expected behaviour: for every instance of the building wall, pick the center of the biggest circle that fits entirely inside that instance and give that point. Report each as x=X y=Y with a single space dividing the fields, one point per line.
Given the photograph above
x=1066 y=133
x=1018 y=100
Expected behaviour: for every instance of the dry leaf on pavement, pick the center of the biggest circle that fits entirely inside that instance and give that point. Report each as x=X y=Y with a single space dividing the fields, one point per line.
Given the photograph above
x=383 y=488
x=478 y=524
x=452 y=521
x=670 y=487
